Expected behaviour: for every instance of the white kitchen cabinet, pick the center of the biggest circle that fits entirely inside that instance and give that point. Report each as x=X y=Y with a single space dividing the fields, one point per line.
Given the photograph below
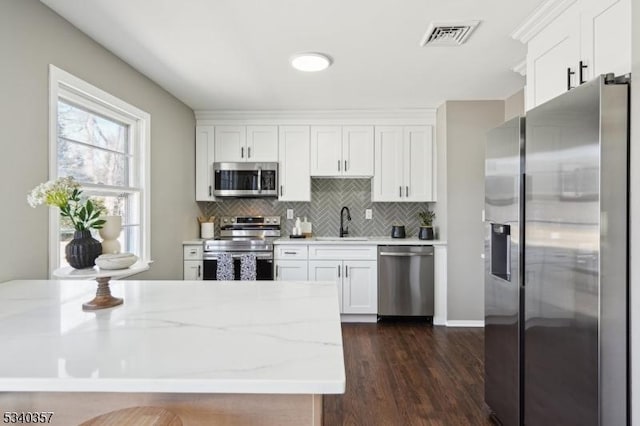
x=291 y=270
x=338 y=151
x=605 y=37
x=192 y=262
x=293 y=158
x=359 y=296
x=357 y=151
x=353 y=269
x=326 y=151
x=291 y=262
x=589 y=38
x=327 y=270
x=231 y=143
x=205 y=149
x=404 y=164
x=246 y=143
x=262 y=143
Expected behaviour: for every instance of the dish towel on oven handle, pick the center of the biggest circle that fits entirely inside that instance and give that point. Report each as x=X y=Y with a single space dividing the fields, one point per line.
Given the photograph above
x=224 y=270
x=248 y=267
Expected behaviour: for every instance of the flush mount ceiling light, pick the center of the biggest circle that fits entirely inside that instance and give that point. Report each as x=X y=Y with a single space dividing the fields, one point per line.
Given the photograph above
x=310 y=61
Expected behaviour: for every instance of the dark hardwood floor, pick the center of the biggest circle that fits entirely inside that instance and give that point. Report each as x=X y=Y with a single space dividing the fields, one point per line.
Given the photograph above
x=408 y=373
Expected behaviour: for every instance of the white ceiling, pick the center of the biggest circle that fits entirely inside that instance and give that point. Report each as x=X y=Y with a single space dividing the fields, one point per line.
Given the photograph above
x=234 y=54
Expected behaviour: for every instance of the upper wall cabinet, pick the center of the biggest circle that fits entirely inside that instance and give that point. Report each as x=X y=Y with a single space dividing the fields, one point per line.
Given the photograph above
x=404 y=164
x=205 y=149
x=294 y=176
x=342 y=151
x=588 y=38
x=246 y=143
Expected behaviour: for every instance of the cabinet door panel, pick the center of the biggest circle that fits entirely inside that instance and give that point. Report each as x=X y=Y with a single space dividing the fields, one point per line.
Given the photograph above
x=387 y=178
x=418 y=163
x=360 y=287
x=606 y=37
x=293 y=158
x=192 y=270
x=549 y=54
x=326 y=151
x=231 y=143
x=357 y=151
x=291 y=270
x=204 y=163
x=262 y=143
x=327 y=270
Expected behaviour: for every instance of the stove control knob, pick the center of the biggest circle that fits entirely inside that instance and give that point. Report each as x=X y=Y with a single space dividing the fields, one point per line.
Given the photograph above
x=268 y=220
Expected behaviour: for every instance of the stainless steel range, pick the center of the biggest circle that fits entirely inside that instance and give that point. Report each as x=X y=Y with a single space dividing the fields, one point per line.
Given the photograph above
x=240 y=235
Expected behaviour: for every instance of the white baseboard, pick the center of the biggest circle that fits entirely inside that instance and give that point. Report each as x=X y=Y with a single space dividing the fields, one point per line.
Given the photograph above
x=359 y=318
x=465 y=323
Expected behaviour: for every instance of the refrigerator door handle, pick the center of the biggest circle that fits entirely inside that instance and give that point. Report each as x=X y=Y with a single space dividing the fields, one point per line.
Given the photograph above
x=508 y=271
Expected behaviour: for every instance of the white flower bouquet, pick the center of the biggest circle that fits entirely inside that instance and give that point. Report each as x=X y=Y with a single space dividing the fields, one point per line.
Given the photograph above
x=65 y=193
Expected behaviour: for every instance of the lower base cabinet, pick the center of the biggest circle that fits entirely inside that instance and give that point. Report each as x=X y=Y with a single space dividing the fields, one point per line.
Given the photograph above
x=291 y=270
x=192 y=267
x=357 y=282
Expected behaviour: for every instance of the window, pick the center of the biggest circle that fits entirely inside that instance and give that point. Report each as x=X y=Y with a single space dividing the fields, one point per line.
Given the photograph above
x=103 y=143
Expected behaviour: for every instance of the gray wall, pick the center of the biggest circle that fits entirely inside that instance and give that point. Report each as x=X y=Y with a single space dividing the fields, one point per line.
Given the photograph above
x=327 y=198
x=635 y=216
x=514 y=105
x=467 y=123
x=32 y=37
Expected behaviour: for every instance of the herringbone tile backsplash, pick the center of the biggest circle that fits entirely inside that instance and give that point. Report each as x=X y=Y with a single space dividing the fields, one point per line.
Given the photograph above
x=327 y=198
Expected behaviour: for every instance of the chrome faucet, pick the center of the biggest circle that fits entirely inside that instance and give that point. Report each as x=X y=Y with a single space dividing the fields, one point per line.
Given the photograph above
x=344 y=230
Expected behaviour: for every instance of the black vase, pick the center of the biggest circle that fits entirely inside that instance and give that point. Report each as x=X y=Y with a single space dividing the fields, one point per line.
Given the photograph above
x=426 y=233
x=83 y=250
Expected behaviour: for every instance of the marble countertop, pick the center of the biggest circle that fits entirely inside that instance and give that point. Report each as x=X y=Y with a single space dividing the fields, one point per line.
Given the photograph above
x=172 y=336
x=410 y=241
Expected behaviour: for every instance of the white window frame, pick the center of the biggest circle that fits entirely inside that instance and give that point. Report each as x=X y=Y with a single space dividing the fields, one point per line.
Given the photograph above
x=67 y=86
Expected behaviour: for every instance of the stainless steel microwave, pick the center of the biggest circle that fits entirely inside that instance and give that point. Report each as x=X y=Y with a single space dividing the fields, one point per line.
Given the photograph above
x=245 y=179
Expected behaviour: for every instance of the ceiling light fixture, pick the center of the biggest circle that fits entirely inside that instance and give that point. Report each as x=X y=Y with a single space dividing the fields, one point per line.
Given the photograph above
x=310 y=61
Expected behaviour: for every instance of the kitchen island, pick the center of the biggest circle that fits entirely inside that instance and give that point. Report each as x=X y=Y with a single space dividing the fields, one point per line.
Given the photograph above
x=211 y=352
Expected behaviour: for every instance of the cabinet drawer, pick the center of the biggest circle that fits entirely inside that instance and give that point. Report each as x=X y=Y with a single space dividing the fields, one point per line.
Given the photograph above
x=192 y=252
x=291 y=252
x=343 y=252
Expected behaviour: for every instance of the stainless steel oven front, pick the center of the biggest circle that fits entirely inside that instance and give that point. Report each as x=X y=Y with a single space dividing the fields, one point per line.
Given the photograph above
x=263 y=250
x=245 y=179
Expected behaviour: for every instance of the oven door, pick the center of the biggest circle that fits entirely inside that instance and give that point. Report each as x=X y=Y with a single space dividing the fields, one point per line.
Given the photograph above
x=264 y=266
x=245 y=179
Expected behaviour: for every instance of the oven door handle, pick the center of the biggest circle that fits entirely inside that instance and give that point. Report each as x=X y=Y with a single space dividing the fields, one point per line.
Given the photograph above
x=259 y=180
x=238 y=256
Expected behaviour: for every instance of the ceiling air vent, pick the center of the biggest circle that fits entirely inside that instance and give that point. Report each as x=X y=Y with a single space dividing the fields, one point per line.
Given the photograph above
x=448 y=33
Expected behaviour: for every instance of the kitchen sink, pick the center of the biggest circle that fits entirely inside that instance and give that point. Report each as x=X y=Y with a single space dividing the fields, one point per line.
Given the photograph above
x=341 y=239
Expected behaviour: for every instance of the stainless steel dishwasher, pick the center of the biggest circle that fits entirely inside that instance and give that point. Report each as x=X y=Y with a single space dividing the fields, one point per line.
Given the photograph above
x=405 y=281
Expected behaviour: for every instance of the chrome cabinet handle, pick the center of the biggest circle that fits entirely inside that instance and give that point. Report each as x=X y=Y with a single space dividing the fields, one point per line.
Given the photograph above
x=386 y=253
x=276 y=271
x=249 y=152
x=338 y=271
x=407 y=191
x=400 y=189
x=281 y=190
x=199 y=271
x=242 y=152
x=210 y=191
x=338 y=165
x=345 y=165
x=290 y=252
x=346 y=271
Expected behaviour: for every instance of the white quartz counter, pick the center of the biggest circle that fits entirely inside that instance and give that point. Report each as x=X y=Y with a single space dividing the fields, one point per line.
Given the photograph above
x=376 y=241
x=172 y=336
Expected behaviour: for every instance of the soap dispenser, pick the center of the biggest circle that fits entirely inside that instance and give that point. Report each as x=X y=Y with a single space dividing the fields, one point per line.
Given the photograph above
x=297 y=228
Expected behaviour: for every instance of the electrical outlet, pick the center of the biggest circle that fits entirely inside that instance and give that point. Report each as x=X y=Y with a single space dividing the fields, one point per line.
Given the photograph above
x=289 y=213
x=368 y=214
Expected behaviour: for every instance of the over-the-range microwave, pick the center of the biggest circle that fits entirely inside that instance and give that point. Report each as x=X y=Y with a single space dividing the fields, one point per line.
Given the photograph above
x=245 y=179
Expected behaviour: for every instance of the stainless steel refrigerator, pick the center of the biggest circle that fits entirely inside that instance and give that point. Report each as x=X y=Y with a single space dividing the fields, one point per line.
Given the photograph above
x=556 y=261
